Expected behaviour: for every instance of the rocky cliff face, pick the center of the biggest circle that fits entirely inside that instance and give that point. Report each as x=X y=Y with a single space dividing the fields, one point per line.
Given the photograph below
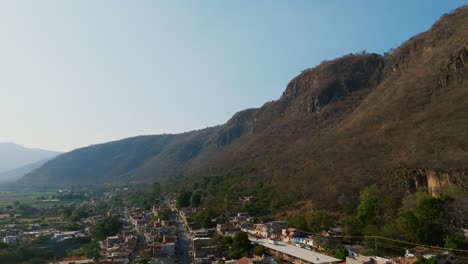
x=408 y=181
x=331 y=81
x=240 y=124
x=347 y=123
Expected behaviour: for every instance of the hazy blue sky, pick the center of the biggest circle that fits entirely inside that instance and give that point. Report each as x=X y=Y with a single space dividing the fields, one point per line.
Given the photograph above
x=74 y=73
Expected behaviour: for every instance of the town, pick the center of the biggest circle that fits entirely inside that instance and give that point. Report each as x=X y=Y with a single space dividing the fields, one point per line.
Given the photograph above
x=107 y=227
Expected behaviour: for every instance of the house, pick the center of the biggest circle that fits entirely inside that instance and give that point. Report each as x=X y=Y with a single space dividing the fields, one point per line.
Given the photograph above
x=74 y=261
x=168 y=249
x=287 y=234
x=425 y=252
x=293 y=254
x=241 y=217
x=261 y=230
x=379 y=260
x=157 y=249
x=203 y=232
x=202 y=247
x=169 y=239
x=244 y=260
x=248 y=228
x=10 y=239
x=65 y=235
x=227 y=229
x=147 y=252
x=249 y=198
x=406 y=260
x=358 y=259
x=111 y=241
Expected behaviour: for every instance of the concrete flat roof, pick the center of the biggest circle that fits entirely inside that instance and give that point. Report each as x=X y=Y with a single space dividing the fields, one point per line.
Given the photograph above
x=301 y=253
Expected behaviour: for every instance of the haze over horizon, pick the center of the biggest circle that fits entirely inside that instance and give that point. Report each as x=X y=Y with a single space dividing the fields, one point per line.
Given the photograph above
x=87 y=72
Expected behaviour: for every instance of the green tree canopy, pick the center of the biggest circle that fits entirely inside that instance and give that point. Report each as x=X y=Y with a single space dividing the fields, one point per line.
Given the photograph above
x=259 y=250
x=183 y=200
x=195 y=199
x=298 y=221
x=109 y=226
x=320 y=220
x=428 y=223
x=240 y=245
x=73 y=227
x=375 y=208
x=91 y=250
x=422 y=260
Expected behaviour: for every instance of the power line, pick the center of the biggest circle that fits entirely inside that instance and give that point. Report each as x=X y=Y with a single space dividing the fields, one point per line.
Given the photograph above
x=381 y=237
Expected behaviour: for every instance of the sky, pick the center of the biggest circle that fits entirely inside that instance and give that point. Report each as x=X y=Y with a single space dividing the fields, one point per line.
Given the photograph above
x=76 y=73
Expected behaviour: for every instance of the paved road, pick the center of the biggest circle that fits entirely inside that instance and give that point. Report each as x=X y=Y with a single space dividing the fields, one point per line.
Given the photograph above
x=183 y=243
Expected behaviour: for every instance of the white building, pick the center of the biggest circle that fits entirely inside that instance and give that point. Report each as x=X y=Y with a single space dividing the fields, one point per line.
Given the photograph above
x=10 y=239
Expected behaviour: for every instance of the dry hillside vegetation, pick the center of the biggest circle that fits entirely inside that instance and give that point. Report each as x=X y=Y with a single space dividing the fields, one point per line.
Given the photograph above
x=349 y=122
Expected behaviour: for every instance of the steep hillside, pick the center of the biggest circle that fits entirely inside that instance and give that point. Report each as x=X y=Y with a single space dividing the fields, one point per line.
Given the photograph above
x=13 y=156
x=398 y=119
x=17 y=173
x=95 y=164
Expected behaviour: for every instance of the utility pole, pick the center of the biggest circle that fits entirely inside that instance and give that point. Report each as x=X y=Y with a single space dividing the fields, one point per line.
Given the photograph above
x=375 y=245
x=226 y=209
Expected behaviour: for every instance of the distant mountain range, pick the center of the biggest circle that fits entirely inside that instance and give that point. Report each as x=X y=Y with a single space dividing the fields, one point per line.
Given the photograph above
x=399 y=119
x=16 y=161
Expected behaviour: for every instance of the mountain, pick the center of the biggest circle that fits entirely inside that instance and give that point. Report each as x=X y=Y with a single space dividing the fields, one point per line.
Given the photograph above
x=13 y=156
x=399 y=120
x=17 y=173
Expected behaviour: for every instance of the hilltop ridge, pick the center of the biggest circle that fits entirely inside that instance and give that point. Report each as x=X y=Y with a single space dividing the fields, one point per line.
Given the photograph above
x=396 y=119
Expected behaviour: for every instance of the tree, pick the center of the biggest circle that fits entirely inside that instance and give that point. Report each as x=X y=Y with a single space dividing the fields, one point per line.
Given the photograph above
x=144 y=260
x=368 y=208
x=412 y=201
x=340 y=253
x=195 y=199
x=73 y=227
x=422 y=260
x=348 y=203
x=376 y=206
x=38 y=260
x=240 y=245
x=183 y=200
x=91 y=250
x=65 y=212
x=259 y=250
x=77 y=215
x=156 y=189
x=455 y=241
x=298 y=221
x=165 y=214
x=109 y=226
x=319 y=220
x=428 y=223
x=205 y=218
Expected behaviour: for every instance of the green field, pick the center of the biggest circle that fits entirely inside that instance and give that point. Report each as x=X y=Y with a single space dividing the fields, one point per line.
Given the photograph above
x=8 y=198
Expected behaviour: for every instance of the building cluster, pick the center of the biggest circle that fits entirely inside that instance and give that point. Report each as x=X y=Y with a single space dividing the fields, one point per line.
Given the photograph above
x=286 y=243
x=11 y=233
x=119 y=248
x=158 y=233
x=144 y=235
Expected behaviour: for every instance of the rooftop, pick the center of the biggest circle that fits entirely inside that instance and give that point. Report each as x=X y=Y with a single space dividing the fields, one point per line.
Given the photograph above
x=301 y=253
